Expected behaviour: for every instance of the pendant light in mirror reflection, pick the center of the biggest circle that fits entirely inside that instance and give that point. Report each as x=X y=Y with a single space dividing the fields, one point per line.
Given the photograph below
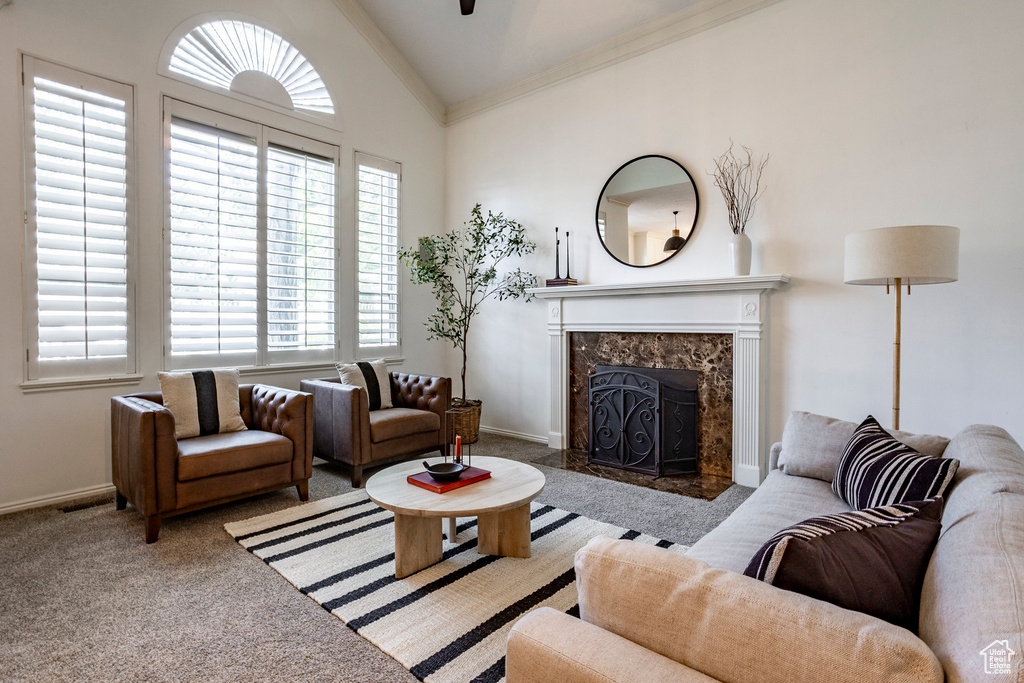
x=675 y=242
x=647 y=211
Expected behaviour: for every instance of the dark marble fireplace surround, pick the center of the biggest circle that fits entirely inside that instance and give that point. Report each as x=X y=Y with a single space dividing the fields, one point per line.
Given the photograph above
x=711 y=355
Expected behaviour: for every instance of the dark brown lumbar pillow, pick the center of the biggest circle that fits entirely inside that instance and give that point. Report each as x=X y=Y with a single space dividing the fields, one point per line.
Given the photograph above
x=877 y=470
x=871 y=561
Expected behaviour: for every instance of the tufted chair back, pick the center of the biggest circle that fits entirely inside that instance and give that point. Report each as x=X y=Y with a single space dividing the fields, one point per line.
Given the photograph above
x=421 y=392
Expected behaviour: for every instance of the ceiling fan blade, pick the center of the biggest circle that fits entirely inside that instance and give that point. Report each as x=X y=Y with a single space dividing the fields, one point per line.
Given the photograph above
x=467 y=6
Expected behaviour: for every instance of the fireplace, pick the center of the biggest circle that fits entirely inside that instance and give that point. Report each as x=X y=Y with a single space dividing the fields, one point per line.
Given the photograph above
x=643 y=419
x=709 y=357
x=733 y=307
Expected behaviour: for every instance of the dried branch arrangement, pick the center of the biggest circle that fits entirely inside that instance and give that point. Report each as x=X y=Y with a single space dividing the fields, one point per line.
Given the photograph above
x=739 y=179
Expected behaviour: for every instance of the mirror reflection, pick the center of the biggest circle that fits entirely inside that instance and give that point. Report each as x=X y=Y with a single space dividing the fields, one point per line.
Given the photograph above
x=647 y=211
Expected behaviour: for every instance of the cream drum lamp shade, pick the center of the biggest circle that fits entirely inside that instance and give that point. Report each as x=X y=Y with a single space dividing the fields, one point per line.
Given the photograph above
x=917 y=254
x=905 y=255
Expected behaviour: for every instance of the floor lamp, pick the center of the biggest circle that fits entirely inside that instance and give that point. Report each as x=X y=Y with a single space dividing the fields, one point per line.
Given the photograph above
x=905 y=255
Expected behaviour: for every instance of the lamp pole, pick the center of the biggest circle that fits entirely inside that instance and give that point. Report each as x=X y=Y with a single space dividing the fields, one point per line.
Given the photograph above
x=896 y=362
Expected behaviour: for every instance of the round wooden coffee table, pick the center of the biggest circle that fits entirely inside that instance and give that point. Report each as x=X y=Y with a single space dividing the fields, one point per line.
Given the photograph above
x=501 y=505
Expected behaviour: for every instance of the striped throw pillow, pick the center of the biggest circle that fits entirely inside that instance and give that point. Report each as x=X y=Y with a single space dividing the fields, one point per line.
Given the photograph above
x=876 y=470
x=872 y=561
x=372 y=376
x=203 y=402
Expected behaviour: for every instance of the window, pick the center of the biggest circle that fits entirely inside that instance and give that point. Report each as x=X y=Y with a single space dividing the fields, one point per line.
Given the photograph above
x=251 y=242
x=251 y=60
x=213 y=243
x=300 y=251
x=378 y=255
x=78 y=142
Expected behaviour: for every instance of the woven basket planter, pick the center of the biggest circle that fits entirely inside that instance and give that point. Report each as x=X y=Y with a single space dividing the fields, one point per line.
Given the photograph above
x=465 y=420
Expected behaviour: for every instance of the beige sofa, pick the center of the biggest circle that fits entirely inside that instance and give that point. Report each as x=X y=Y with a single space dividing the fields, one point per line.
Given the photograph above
x=651 y=615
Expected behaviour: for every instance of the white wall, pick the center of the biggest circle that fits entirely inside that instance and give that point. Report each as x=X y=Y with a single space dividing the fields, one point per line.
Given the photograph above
x=876 y=113
x=57 y=442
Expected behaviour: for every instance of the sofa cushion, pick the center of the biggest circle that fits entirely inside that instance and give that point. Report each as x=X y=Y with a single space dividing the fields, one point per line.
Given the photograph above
x=813 y=444
x=973 y=592
x=547 y=645
x=203 y=402
x=394 y=423
x=736 y=629
x=780 y=501
x=871 y=561
x=372 y=377
x=208 y=456
x=878 y=470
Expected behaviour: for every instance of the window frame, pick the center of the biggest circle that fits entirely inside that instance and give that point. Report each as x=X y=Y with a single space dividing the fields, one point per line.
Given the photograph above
x=264 y=135
x=391 y=351
x=78 y=372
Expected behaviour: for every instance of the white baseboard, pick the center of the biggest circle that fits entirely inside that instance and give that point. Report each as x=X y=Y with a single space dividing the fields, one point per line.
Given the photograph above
x=745 y=475
x=514 y=435
x=43 y=501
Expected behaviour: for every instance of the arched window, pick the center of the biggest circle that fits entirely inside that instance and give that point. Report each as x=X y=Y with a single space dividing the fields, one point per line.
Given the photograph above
x=250 y=60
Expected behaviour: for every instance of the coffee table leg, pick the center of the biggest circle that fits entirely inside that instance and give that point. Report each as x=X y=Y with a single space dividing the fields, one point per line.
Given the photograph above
x=505 y=533
x=449 y=528
x=417 y=543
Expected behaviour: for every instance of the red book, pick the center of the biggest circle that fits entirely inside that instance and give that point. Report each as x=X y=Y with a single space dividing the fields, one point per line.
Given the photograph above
x=470 y=476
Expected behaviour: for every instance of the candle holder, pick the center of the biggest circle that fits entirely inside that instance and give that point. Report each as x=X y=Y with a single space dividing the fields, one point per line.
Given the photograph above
x=458 y=446
x=558 y=280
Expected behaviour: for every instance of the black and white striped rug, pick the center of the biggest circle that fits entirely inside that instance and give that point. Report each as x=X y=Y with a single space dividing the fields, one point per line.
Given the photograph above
x=448 y=622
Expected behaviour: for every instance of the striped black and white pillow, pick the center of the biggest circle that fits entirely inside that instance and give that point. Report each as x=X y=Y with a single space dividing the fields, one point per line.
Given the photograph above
x=876 y=470
x=872 y=561
x=372 y=376
x=203 y=402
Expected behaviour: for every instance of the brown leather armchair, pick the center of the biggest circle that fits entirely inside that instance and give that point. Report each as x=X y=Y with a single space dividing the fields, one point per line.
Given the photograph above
x=345 y=431
x=162 y=476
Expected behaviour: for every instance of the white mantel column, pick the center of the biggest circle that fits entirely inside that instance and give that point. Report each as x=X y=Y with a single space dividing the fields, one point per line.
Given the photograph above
x=747 y=393
x=558 y=436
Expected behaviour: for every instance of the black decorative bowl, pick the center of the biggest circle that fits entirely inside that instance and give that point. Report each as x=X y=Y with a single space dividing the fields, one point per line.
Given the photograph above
x=445 y=471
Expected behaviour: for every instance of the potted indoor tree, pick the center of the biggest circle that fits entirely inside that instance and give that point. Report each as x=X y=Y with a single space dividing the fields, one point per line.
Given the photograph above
x=461 y=268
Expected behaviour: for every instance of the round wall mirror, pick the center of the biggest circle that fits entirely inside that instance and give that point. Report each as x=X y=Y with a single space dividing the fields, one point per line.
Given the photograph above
x=647 y=211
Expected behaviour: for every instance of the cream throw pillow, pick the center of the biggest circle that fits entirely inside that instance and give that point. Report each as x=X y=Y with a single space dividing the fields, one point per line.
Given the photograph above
x=373 y=376
x=203 y=402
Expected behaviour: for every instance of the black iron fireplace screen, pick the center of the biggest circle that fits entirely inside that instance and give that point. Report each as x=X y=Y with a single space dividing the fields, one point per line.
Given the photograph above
x=644 y=419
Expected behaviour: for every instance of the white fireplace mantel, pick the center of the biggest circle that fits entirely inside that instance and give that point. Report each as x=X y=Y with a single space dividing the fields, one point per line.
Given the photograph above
x=733 y=305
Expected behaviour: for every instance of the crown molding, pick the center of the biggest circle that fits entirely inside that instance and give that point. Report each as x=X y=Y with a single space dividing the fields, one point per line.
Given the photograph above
x=392 y=57
x=694 y=19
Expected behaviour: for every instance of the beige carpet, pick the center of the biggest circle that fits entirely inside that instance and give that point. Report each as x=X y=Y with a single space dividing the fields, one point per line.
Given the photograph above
x=447 y=623
x=86 y=599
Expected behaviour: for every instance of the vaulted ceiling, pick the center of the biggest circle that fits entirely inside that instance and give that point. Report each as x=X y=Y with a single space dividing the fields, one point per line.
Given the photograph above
x=503 y=40
x=458 y=65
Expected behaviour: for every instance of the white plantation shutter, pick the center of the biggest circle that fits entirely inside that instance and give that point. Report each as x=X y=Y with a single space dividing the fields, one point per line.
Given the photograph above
x=251 y=239
x=216 y=52
x=213 y=246
x=300 y=252
x=78 y=139
x=378 y=254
